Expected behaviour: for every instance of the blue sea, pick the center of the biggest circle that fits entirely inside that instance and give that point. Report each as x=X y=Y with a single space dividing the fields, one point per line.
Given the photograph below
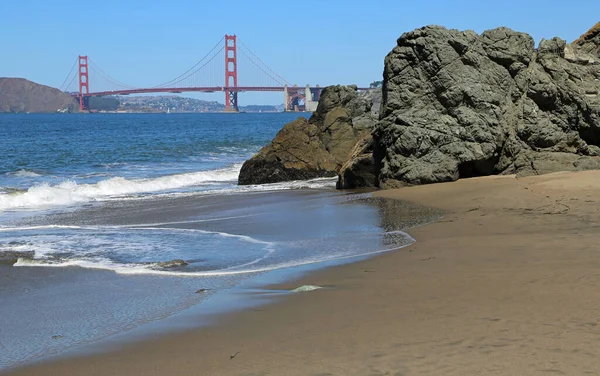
x=111 y=222
x=74 y=159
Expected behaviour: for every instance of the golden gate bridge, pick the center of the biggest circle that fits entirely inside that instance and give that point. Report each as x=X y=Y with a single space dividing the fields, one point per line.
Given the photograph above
x=217 y=71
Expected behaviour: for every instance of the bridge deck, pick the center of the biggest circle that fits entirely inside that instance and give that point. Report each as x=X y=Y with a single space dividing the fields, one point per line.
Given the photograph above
x=291 y=89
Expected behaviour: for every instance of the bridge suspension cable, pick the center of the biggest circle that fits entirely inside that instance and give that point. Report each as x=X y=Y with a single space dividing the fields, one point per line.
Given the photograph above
x=260 y=64
x=187 y=73
x=64 y=87
x=107 y=77
x=181 y=78
x=70 y=83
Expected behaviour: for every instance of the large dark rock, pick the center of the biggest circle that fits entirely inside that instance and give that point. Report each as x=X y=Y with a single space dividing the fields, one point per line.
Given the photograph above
x=458 y=104
x=317 y=147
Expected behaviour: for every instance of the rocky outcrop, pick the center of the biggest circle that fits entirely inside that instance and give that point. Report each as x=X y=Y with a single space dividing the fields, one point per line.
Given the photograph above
x=317 y=147
x=458 y=104
x=21 y=95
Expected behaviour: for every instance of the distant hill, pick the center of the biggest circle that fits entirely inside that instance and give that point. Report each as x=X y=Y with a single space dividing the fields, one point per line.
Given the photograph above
x=162 y=103
x=260 y=108
x=21 y=95
x=173 y=103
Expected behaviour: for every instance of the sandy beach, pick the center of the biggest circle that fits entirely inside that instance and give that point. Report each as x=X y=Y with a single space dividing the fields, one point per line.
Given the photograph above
x=506 y=283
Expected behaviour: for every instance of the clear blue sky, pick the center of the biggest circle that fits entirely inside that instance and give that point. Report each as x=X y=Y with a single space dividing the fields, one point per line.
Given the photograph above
x=144 y=43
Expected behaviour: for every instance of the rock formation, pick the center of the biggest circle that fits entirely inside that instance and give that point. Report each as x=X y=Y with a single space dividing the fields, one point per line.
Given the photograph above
x=21 y=95
x=317 y=147
x=454 y=104
x=458 y=104
x=359 y=171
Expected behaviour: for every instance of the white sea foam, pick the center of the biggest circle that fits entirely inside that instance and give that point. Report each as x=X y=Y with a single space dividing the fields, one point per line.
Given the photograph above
x=44 y=227
x=98 y=262
x=23 y=174
x=145 y=269
x=298 y=184
x=139 y=228
x=69 y=192
x=319 y=183
x=102 y=264
x=79 y=249
x=145 y=225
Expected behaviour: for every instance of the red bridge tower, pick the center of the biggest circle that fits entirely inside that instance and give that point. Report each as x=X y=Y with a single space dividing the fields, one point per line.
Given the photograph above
x=231 y=100
x=83 y=82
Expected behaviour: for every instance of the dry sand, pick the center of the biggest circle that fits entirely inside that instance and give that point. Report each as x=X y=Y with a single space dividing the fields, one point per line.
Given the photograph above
x=507 y=283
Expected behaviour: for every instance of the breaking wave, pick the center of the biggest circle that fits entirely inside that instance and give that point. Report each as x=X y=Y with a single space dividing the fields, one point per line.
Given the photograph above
x=45 y=196
x=70 y=192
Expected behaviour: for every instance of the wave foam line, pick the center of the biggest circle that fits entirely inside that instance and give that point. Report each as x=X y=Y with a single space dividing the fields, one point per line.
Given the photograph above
x=44 y=227
x=143 y=225
x=318 y=183
x=140 y=226
x=23 y=173
x=245 y=238
x=137 y=269
x=69 y=192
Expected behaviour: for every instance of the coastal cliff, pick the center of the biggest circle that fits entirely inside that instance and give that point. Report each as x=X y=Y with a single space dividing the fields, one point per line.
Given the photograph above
x=21 y=95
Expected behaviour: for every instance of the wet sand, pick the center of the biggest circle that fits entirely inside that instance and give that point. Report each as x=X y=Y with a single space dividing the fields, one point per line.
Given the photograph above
x=507 y=283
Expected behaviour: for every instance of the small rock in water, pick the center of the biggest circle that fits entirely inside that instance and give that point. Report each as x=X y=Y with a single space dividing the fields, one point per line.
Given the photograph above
x=171 y=264
x=57 y=336
x=306 y=288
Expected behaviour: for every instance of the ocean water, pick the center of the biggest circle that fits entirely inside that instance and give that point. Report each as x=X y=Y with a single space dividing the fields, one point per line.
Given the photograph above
x=109 y=222
x=62 y=160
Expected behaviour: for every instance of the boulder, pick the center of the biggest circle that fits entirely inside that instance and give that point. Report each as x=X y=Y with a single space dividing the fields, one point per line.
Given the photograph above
x=317 y=147
x=457 y=104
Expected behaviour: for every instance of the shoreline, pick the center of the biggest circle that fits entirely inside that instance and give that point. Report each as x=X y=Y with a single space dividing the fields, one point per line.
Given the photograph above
x=252 y=294
x=503 y=284
x=97 y=303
